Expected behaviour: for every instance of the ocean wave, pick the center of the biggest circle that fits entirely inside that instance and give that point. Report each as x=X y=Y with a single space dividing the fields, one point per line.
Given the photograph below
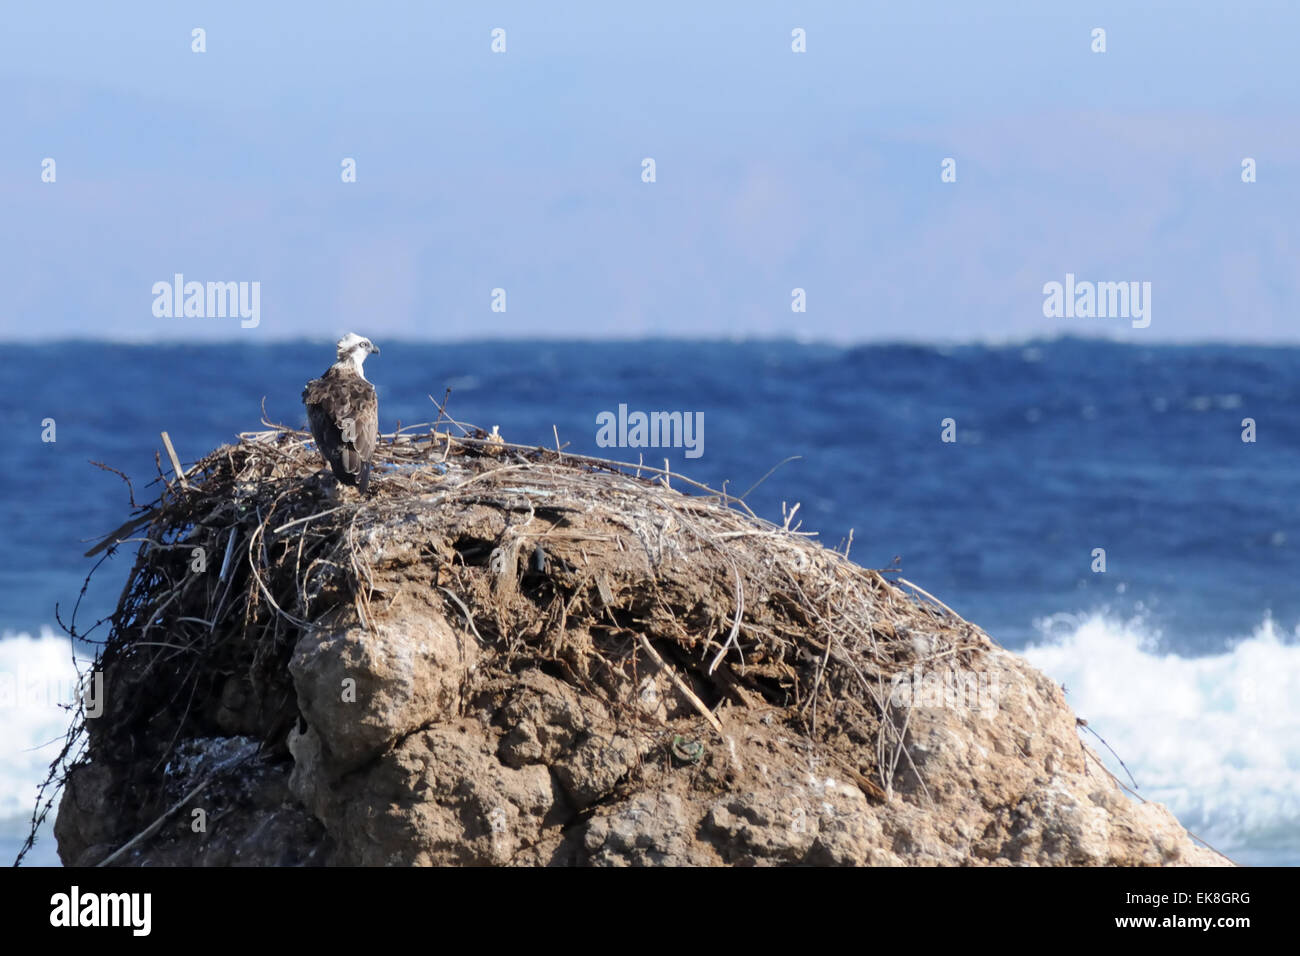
x=1215 y=738
x=38 y=681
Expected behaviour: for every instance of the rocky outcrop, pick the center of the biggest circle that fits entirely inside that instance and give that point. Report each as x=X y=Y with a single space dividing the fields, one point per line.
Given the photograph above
x=539 y=775
x=487 y=698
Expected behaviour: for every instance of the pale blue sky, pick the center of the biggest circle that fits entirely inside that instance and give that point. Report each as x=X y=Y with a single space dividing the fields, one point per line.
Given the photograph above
x=775 y=170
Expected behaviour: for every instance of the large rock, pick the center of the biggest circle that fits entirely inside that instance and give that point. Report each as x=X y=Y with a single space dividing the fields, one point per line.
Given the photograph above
x=511 y=662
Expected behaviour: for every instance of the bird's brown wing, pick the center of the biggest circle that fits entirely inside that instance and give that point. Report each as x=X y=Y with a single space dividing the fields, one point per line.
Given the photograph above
x=366 y=433
x=343 y=412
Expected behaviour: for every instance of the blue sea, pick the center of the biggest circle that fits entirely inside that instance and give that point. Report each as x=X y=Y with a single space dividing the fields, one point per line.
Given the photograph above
x=1184 y=653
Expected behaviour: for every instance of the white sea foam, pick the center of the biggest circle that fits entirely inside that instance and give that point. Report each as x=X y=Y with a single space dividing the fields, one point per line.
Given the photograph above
x=36 y=677
x=1215 y=738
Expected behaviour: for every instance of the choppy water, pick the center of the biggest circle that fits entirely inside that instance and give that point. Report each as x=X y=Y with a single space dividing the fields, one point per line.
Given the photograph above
x=1183 y=654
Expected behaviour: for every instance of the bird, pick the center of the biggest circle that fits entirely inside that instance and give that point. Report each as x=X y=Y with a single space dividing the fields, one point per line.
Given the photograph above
x=343 y=412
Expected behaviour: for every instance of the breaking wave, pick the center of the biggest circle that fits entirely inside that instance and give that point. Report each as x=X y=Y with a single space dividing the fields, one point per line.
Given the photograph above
x=1216 y=738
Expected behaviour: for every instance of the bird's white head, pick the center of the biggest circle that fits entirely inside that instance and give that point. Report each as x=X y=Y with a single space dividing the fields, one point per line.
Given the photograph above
x=354 y=348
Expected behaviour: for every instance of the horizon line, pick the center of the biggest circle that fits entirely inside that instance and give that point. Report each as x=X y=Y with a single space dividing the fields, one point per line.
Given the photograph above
x=990 y=341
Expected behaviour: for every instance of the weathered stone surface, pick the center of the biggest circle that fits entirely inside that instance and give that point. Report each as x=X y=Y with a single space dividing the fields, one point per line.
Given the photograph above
x=246 y=817
x=361 y=691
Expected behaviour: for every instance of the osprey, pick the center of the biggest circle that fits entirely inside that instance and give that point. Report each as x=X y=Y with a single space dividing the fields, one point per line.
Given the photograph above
x=343 y=412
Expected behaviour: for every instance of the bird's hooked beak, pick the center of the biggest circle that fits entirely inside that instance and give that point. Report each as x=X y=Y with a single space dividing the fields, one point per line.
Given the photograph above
x=374 y=349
